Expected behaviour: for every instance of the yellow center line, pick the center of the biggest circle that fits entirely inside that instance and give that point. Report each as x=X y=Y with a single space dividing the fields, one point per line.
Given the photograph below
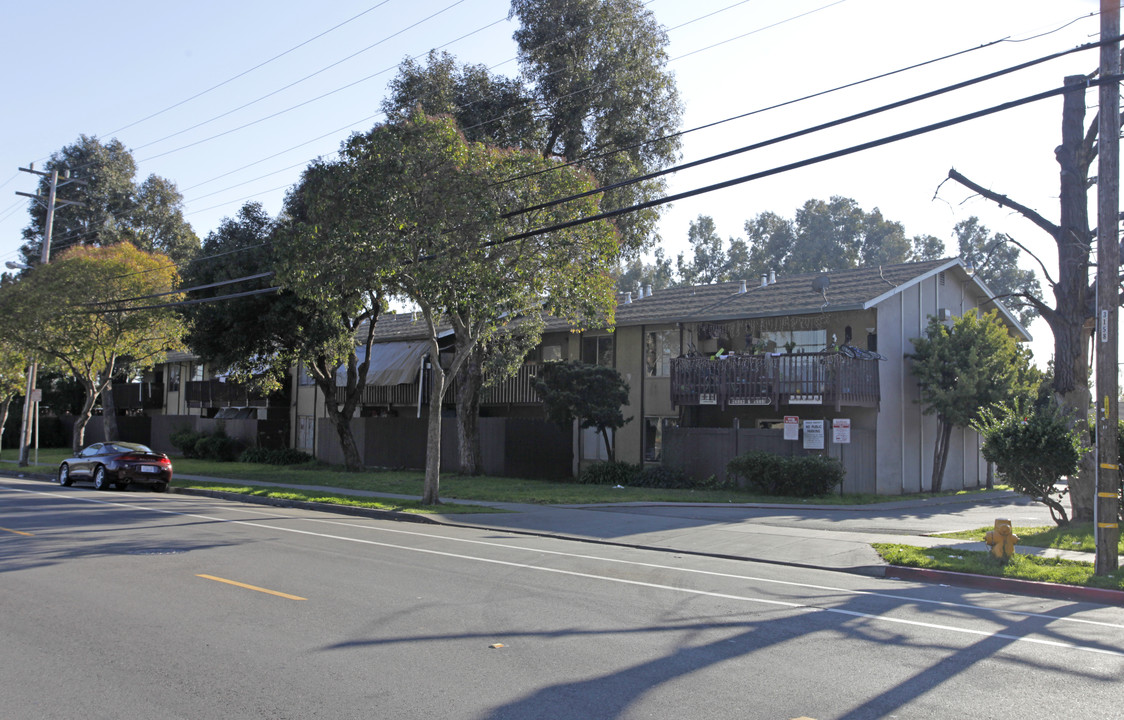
x=17 y=532
x=251 y=587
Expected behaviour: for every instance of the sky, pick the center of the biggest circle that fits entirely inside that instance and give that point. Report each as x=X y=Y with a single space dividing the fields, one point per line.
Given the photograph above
x=230 y=100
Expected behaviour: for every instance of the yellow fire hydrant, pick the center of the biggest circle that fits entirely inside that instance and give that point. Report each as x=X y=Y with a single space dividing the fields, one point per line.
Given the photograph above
x=1002 y=540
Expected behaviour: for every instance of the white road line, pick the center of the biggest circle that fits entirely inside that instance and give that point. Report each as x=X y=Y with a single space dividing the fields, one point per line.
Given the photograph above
x=591 y=576
x=733 y=576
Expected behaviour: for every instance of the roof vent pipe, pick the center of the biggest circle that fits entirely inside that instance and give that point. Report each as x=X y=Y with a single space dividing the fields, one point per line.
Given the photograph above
x=647 y=291
x=742 y=290
x=764 y=280
x=628 y=298
x=772 y=277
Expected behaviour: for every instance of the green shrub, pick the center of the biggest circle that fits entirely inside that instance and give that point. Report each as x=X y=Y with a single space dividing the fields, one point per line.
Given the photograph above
x=207 y=446
x=609 y=473
x=1033 y=449
x=185 y=440
x=274 y=456
x=661 y=476
x=802 y=476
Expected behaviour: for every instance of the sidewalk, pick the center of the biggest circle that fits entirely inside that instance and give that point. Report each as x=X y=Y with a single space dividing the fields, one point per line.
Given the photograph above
x=736 y=531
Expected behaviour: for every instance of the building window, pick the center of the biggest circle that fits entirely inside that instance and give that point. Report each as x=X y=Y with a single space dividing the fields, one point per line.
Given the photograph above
x=659 y=348
x=303 y=378
x=173 y=378
x=801 y=341
x=598 y=350
x=654 y=429
x=197 y=372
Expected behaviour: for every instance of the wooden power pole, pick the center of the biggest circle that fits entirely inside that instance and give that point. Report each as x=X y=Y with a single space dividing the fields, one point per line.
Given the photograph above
x=1106 y=507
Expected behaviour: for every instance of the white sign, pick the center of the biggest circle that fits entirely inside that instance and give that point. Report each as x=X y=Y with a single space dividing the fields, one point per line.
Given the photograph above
x=708 y=398
x=749 y=401
x=791 y=427
x=813 y=435
x=805 y=400
x=1104 y=326
x=841 y=430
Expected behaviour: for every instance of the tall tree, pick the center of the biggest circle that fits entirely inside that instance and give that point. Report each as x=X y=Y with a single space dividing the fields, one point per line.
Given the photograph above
x=1073 y=292
x=823 y=236
x=996 y=264
x=597 y=70
x=963 y=368
x=13 y=363
x=114 y=206
x=423 y=214
x=634 y=273
x=75 y=313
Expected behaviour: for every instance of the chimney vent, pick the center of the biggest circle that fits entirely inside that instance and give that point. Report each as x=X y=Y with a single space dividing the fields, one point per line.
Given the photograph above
x=742 y=289
x=764 y=280
x=772 y=277
x=628 y=298
x=647 y=291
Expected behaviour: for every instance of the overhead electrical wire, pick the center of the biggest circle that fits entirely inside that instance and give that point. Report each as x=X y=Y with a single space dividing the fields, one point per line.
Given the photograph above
x=803 y=163
x=247 y=72
x=822 y=126
x=220 y=283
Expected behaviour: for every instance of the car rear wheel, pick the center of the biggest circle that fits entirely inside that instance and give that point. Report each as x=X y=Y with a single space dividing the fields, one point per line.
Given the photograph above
x=64 y=476
x=101 y=482
x=159 y=487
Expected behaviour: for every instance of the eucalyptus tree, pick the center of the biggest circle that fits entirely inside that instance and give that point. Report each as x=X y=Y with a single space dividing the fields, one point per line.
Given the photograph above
x=114 y=206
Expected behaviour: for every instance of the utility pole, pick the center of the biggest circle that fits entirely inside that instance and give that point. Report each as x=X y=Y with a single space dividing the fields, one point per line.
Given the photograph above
x=31 y=402
x=1106 y=507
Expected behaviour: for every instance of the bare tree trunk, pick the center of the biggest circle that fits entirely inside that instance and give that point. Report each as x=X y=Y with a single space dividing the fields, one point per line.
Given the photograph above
x=940 y=453
x=78 y=436
x=431 y=492
x=470 y=380
x=4 y=405
x=109 y=413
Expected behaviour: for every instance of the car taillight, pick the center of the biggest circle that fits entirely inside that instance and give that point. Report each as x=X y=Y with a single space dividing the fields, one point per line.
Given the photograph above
x=164 y=461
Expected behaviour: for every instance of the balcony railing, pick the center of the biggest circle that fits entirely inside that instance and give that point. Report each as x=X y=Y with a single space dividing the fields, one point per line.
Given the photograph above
x=136 y=396
x=516 y=390
x=218 y=394
x=828 y=378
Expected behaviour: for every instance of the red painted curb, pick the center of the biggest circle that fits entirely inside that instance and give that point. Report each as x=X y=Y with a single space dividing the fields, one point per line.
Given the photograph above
x=1026 y=587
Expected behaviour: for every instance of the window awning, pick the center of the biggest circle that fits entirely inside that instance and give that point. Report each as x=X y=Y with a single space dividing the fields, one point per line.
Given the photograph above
x=391 y=363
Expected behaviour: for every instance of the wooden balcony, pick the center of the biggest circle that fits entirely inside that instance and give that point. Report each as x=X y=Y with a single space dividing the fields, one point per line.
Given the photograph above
x=138 y=396
x=517 y=390
x=828 y=378
x=218 y=394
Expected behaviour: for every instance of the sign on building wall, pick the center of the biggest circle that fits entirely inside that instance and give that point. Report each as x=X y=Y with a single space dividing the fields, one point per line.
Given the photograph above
x=791 y=427
x=841 y=430
x=813 y=435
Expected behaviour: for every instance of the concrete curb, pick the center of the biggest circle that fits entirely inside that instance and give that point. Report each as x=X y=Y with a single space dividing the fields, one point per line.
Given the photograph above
x=1054 y=591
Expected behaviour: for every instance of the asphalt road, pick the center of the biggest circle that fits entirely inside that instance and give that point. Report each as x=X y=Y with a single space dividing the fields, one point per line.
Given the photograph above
x=136 y=605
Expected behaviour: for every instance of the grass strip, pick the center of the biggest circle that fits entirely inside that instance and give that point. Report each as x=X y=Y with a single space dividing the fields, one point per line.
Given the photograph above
x=1020 y=567
x=1074 y=536
x=388 y=504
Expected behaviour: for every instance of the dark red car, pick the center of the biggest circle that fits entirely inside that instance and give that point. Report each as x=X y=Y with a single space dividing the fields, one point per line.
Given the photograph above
x=119 y=464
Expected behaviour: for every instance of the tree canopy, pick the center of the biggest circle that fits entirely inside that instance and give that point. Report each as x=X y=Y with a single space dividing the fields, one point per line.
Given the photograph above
x=75 y=313
x=996 y=263
x=416 y=210
x=115 y=207
x=961 y=368
x=593 y=394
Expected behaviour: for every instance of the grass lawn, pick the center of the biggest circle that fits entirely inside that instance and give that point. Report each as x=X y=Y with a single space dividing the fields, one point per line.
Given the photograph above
x=1075 y=536
x=281 y=493
x=495 y=489
x=1020 y=567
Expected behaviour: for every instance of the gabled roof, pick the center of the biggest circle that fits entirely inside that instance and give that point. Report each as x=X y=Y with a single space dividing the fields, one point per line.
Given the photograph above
x=846 y=290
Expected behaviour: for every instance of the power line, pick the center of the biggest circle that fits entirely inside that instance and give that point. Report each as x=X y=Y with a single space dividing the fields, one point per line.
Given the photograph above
x=301 y=104
x=800 y=164
x=817 y=128
x=180 y=291
x=182 y=303
x=247 y=72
